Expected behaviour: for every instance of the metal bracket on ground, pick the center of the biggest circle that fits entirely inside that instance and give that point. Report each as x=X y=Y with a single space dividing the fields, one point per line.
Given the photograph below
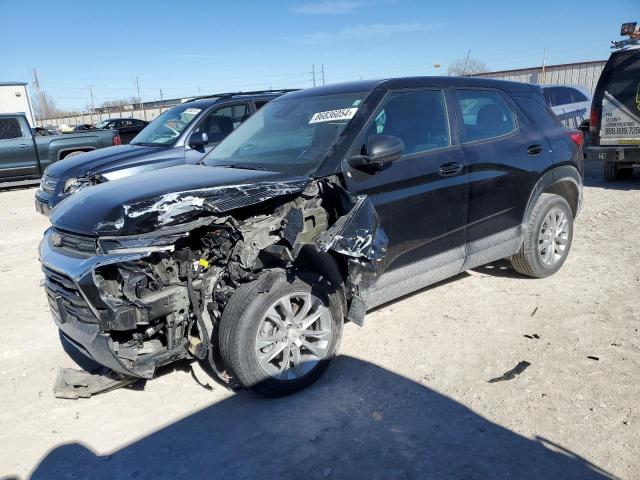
x=73 y=384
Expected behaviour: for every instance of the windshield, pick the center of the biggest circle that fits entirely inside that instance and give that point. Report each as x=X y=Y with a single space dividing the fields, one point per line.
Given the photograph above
x=290 y=136
x=165 y=129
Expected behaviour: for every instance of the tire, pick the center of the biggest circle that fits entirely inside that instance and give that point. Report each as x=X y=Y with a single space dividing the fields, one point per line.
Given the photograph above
x=614 y=172
x=245 y=322
x=533 y=259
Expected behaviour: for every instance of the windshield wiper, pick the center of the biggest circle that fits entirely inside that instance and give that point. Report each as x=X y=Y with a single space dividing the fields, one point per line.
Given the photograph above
x=240 y=166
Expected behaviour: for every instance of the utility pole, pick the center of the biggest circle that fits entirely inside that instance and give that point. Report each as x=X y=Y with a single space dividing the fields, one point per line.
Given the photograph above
x=544 y=66
x=93 y=105
x=36 y=85
x=464 y=69
x=313 y=73
x=161 y=101
x=323 y=74
x=144 y=113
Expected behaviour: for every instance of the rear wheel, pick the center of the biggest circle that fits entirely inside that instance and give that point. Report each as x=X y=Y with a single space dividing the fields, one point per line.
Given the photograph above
x=278 y=334
x=614 y=171
x=547 y=238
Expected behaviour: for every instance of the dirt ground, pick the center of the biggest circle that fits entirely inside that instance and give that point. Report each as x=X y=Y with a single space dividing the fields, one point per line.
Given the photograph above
x=407 y=397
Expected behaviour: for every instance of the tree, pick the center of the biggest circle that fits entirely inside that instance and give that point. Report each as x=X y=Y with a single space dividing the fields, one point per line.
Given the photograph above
x=45 y=107
x=466 y=66
x=121 y=102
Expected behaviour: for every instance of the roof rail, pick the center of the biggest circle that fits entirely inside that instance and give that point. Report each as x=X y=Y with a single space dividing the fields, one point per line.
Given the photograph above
x=233 y=94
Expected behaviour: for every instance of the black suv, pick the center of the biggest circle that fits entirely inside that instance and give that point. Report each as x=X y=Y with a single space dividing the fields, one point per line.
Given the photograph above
x=614 y=124
x=181 y=135
x=324 y=204
x=127 y=128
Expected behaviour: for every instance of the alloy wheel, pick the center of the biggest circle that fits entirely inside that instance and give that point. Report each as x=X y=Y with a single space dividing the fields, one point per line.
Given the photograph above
x=293 y=336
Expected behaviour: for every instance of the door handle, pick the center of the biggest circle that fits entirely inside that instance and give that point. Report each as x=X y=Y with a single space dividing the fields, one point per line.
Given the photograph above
x=450 y=169
x=534 y=149
x=24 y=145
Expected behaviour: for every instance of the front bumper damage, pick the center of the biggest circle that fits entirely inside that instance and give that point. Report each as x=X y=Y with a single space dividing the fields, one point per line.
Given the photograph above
x=85 y=316
x=133 y=310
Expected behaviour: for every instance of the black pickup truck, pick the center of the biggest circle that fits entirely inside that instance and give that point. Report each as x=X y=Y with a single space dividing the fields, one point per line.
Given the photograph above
x=24 y=156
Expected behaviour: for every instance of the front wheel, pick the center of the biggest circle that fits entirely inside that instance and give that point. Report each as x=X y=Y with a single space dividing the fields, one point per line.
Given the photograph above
x=278 y=334
x=547 y=238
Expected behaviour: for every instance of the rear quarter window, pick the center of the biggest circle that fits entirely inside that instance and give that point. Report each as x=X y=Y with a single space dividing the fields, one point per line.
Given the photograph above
x=537 y=112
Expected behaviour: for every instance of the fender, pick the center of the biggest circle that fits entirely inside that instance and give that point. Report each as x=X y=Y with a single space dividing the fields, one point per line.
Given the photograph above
x=564 y=180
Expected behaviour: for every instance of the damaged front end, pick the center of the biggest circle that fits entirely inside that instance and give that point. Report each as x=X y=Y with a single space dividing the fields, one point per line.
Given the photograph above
x=139 y=301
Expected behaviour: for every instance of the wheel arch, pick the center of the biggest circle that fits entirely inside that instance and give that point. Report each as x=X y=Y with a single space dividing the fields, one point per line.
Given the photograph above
x=564 y=181
x=63 y=153
x=326 y=265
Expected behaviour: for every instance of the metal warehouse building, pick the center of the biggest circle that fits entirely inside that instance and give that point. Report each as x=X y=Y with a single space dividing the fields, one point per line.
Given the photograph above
x=14 y=98
x=583 y=73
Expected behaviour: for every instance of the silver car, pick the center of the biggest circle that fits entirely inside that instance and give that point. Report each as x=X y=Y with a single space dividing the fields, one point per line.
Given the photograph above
x=571 y=103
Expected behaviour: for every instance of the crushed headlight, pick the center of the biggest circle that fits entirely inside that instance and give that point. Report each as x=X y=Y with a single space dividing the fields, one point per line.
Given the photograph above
x=72 y=185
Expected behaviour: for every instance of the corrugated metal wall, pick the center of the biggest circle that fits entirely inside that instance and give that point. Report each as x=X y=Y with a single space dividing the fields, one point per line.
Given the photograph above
x=15 y=99
x=585 y=74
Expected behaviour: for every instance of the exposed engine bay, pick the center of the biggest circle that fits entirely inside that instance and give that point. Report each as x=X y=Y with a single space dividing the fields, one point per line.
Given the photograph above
x=158 y=297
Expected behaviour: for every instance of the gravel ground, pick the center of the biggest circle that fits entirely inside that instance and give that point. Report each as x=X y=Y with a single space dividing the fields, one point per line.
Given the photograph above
x=408 y=396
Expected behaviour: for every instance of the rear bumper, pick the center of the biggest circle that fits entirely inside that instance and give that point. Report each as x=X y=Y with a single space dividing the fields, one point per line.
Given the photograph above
x=622 y=154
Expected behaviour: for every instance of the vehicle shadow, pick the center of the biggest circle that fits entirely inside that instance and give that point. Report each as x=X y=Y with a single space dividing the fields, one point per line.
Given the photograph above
x=359 y=421
x=594 y=177
x=500 y=268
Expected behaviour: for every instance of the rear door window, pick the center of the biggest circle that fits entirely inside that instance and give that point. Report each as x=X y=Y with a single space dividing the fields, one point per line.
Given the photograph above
x=10 y=128
x=485 y=114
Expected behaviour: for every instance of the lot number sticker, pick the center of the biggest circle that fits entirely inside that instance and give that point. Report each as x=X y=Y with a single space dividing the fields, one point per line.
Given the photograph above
x=331 y=115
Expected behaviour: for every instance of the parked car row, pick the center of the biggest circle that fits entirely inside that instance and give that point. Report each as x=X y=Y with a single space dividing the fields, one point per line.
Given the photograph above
x=24 y=154
x=314 y=207
x=181 y=135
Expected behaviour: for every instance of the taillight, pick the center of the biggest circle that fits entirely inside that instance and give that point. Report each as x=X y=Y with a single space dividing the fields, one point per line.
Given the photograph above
x=577 y=136
x=594 y=118
x=117 y=140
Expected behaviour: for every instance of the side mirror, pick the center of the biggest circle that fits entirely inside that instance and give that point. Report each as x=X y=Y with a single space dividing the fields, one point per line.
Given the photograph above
x=198 y=140
x=380 y=149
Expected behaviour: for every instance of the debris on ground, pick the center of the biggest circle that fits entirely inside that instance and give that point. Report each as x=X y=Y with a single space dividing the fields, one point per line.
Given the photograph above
x=513 y=373
x=200 y=376
x=73 y=384
x=535 y=335
x=534 y=311
x=591 y=357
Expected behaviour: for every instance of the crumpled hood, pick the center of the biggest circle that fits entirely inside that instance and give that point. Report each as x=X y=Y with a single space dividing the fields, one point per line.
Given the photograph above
x=106 y=159
x=143 y=203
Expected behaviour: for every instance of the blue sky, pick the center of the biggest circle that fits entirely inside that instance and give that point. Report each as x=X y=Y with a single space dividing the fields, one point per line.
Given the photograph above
x=189 y=47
